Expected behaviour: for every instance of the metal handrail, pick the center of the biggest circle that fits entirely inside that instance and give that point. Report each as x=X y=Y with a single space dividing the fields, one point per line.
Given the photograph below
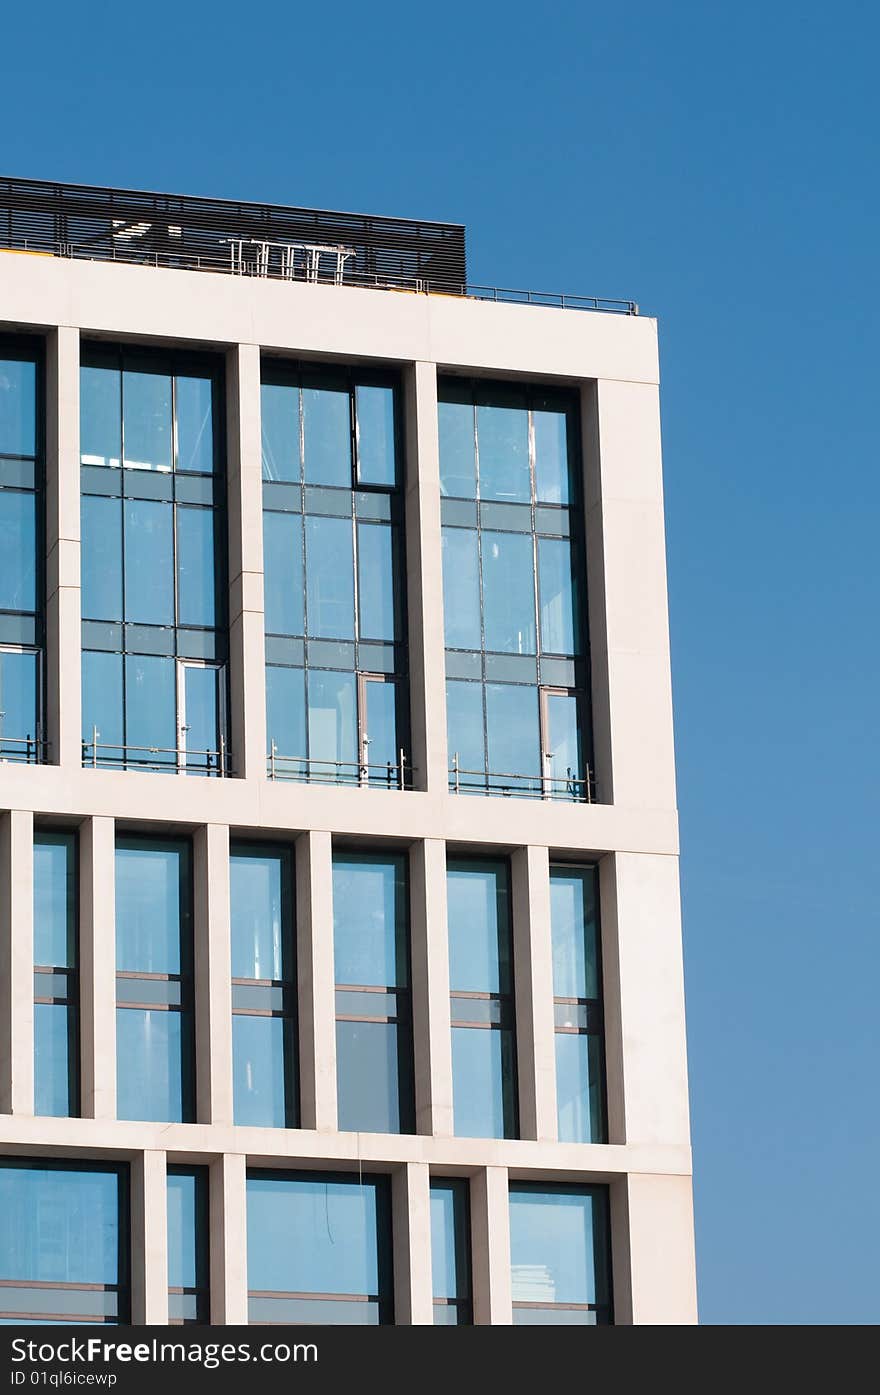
x=181 y=763
x=35 y=747
x=397 y=776
x=548 y=786
x=228 y=264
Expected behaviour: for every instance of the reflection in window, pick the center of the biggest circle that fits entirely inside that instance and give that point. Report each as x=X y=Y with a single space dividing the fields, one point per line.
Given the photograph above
x=513 y=591
x=188 y=1282
x=373 y=1005
x=263 y=986
x=333 y=570
x=319 y=1249
x=153 y=569
x=577 y=1003
x=21 y=554
x=451 y=1252
x=481 y=989
x=56 y=989
x=154 y=988
x=63 y=1242
x=559 y=1255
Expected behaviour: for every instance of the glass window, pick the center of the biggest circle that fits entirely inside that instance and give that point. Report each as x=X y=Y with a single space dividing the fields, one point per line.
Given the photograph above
x=450 y=1252
x=513 y=732
x=373 y=1017
x=56 y=1037
x=280 y=428
x=508 y=593
x=154 y=1046
x=283 y=573
x=330 y=578
x=150 y=709
x=286 y=715
x=18 y=409
x=19 y=689
x=559 y=1254
x=461 y=589
x=100 y=416
x=195 y=424
x=188 y=1292
x=195 y=566
x=551 y=457
x=458 y=456
x=102 y=706
x=375 y=435
x=146 y=420
x=201 y=709
x=503 y=444
x=326 y=436
x=264 y=986
x=18 y=550
x=560 y=623
x=376 y=589
x=565 y=770
x=580 y=1086
x=63 y=1242
x=101 y=558
x=149 y=562
x=464 y=723
x=332 y=726
x=481 y=988
x=319 y=1249
x=380 y=732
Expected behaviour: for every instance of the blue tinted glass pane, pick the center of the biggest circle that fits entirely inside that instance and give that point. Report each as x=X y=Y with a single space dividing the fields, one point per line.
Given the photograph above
x=325 y=1312
x=149 y=562
x=18 y=407
x=258 y=1066
x=369 y=921
x=18 y=702
x=565 y=762
x=376 y=600
x=55 y=899
x=149 y=1065
x=101 y=558
x=551 y=458
x=449 y=1242
x=151 y=882
x=461 y=589
x=184 y=1269
x=508 y=593
x=202 y=726
x=309 y=1236
x=256 y=881
x=375 y=435
x=479 y=928
x=280 y=427
x=381 y=731
x=578 y=1088
x=513 y=730
x=283 y=573
x=59 y=1225
x=478 y=1082
x=560 y=619
x=503 y=437
x=100 y=416
x=551 y=1247
x=458 y=461
x=573 y=928
x=18 y=585
x=327 y=436
x=368 y=1077
x=329 y=578
x=195 y=567
x=102 y=700
x=146 y=420
x=286 y=710
x=333 y=721
x=464 y=727
x=150 y=716
x=195 y=425
x=54 y=1059
x=553 y=1317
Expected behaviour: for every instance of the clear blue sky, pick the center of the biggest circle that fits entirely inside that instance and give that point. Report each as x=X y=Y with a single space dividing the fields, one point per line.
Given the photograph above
x=718 y=164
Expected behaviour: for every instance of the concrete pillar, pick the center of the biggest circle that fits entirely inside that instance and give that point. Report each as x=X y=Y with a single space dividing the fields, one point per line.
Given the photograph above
x=432 y=1038
x=63 y=725
x=490 y=1247
x=427 y=658
x=629 y=628
x=245 y=512
x=652 y=1237
x=316 y=985
x=533 y=974
x=17 y=962
x=213 y=975
x=149 y=1239
x=411 y=1206
x=228 y=1228
x=97 y=968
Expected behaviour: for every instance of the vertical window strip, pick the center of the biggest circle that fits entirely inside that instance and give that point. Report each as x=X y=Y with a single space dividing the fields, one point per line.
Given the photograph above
x=577 y=1004
x=56 y=974
x=188 y=1246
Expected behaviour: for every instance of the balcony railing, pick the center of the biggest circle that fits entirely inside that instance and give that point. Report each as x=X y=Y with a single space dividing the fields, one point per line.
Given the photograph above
x=23 y=750
x=577 y=789
x=313 y=770
x=99 y=755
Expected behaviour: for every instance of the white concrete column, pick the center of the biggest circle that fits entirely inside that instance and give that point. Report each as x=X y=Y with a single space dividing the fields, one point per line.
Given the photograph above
x=228 y=1226
x=149 y=1239
x=533 y=975
x=629 y=628
x=97 y=967
x=425 y=580
x=245 y=513
x=63 y=725
x=411 y=1207
x=490 y=1247
x=213 y=974
x=652 y=1237
x=316 y=986
x=432 y=1034
x=17 y=962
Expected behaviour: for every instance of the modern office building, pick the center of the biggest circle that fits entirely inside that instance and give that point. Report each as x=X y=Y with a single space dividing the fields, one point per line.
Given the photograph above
x=340 y=949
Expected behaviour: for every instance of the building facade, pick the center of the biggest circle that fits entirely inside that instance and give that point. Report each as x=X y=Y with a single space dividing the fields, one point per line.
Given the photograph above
x=340 y=946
